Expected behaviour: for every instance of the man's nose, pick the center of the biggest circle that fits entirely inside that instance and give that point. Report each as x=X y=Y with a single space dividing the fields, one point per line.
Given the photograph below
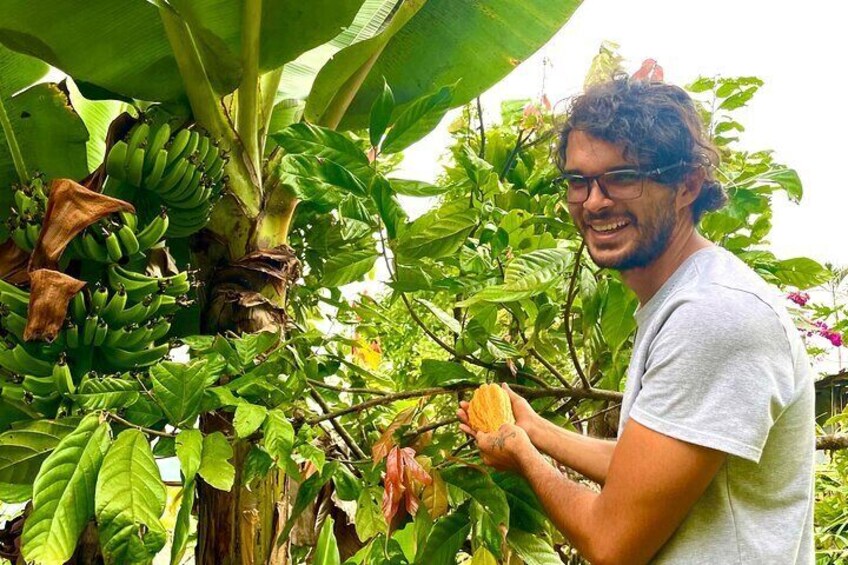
x=596 y=200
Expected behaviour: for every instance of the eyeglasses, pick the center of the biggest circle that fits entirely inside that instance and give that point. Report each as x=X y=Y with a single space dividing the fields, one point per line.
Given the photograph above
x=621 y=184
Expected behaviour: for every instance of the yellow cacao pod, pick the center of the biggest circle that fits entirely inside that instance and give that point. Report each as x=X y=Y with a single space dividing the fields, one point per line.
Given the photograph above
x=489 y=408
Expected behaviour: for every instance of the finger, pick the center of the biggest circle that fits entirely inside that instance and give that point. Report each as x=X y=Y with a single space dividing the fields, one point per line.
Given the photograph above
x=463 y=404
x=463 y=416
x=468 y=430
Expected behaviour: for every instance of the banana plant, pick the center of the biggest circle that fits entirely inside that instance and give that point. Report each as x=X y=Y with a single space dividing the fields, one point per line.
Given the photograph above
x=247 y=143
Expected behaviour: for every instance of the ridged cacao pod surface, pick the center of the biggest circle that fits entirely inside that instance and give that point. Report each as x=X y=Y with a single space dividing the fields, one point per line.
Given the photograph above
x=489 y=408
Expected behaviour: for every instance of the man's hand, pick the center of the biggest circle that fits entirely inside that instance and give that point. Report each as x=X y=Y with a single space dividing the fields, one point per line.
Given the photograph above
x=525 y=417
x=505 y=449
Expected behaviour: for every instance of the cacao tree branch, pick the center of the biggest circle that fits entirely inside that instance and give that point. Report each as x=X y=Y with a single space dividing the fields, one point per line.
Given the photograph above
x=569 y=337
x=430 y=427
x=346 y=437
x=346 y=389
x=832 y=442
x=526 y=392
x=12 y=143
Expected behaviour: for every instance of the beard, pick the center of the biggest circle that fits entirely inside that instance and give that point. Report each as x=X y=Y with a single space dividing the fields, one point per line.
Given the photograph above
x=651 y=242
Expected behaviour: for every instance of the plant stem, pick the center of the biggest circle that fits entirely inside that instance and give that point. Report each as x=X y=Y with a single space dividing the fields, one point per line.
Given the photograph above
x=334 y=113
x=349 y=441
x=12 y=142
x=116 y=418
x=268 y=85
x=208 y=110
x=249 y=104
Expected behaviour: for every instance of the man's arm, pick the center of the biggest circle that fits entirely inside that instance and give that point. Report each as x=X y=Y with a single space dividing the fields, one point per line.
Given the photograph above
x=653 y=482
x=588 y=456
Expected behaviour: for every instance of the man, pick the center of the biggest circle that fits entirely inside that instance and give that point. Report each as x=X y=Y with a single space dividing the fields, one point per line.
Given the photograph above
x=714 y=458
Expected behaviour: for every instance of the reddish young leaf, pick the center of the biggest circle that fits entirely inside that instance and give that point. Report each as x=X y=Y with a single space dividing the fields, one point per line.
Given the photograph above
x=649 y=71
x=387 y=441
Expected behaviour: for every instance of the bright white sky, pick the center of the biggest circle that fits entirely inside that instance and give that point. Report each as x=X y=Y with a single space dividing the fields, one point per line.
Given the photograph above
x=798 y=49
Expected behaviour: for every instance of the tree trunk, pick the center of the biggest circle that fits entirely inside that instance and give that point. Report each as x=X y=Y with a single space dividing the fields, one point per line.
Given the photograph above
x=241 y=527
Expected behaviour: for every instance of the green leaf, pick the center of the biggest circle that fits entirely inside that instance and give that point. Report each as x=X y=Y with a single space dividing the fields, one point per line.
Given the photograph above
x=788 y=179
x=532 y=548
x=278 y=437
x=22 y=450
x=417 y=188
x=327 y=549
x=445 y=373
x=248 y=418
x=525 y=510
x=435 y=236
x=215 y=466
x=18 y=71
x=315 y=141
x=97 y=115
x=179 y=389
x=617 y=320
x=312 y=177
x=801 y=272
x=129 y=500
x=348 y=266
x=446 y=41
x=369 y=520
x=50 y=135
x=63 y=494
x=182 y=525
x=107 y=393
x=418 y=119
x=449 y=321
x=388 y=207
x=337 y=79
x=381 y=114
x=189 y=448
x=256 y=465
x=481 y=489
x=85 y=38
x=446 y=539
x=525 y=276
x=347 y=485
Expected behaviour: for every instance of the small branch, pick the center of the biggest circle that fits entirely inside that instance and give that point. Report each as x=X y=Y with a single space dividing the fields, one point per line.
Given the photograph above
x=832 y=442
x=430 y=427
x=482 y=129
x=569 y=337
x=513 y=154
x=116 y=418
x=596 y=414
x=349 y=441
x=346 y=389
x=12 y=143
x=553 y=370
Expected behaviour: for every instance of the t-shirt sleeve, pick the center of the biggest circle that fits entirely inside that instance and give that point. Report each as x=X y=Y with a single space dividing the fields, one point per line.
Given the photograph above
x=718 y=373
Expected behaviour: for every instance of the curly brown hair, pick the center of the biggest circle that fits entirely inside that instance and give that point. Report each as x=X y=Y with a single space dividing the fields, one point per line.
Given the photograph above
x=656 y=124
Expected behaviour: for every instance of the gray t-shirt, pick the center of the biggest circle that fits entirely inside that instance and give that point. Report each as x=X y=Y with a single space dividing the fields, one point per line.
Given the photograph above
x=718 y=362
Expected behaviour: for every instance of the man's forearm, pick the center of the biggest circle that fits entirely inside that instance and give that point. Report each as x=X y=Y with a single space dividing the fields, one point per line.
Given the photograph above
x=569 y=505
x=588 y=456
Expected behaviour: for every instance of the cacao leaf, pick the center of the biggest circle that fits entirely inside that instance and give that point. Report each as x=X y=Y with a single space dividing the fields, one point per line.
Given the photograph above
x=248 y=418
x=129 y=500
x=446 y=538
x=62 y=496
x=179 y=389
x=327 y=549
x=215 y=466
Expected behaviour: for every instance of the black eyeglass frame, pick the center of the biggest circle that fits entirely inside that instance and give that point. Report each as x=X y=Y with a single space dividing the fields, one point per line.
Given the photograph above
x=563 y=180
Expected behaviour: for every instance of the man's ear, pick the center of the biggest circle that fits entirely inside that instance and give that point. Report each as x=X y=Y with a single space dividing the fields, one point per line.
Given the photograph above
x=690 y=187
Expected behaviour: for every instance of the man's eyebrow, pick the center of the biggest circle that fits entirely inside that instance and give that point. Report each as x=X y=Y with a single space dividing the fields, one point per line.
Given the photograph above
x=621 y=167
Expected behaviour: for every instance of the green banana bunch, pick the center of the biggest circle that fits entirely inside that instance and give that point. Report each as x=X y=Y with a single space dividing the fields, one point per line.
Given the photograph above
x=185 y=171
x=27 y=214
x=139 y=285
x=116 y=238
